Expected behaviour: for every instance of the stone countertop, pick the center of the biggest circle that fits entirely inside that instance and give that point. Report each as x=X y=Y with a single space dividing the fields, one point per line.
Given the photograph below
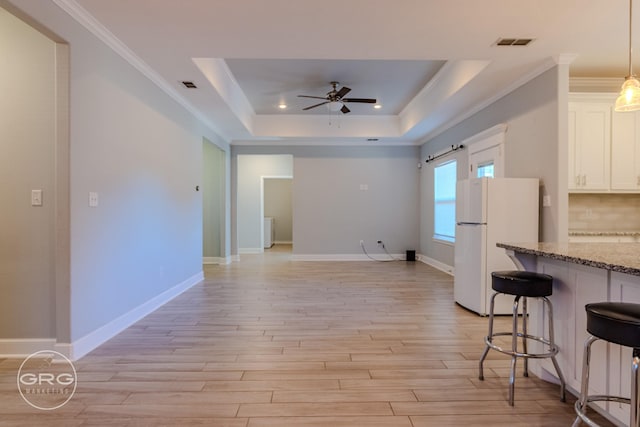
x=620 y=257
x=603 y=233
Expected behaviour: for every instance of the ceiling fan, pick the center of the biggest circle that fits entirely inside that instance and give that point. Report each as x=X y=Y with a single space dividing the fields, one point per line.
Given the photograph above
x=335 y=99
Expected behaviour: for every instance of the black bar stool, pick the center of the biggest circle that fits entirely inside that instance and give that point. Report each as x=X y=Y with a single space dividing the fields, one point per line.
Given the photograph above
x=522 y=284
x=618 y=323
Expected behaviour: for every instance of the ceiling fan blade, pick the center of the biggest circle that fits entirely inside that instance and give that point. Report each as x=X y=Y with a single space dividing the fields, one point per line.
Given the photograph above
x=344 y=109
x=314 y=97
x=314 y=106
x=343 y=91
x=363 y=100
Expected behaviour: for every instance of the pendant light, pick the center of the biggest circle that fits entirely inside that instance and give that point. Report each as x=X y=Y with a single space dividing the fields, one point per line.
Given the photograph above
x=629 y=99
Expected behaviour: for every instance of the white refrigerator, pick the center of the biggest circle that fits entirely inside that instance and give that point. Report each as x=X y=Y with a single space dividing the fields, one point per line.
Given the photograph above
x=488 y=211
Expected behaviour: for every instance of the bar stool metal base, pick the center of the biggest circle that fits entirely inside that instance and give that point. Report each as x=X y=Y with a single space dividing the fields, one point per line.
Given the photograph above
x=582 y=403
x=550 y=351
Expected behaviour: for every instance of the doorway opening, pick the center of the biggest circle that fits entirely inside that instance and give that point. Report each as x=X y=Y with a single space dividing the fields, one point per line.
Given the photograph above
x=213 y=204
x=277 y=211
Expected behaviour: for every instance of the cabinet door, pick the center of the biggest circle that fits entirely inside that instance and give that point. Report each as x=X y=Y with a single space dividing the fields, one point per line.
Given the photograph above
x=573 y=287
x=589 y=146
x=593 y=145
x=574 y=168
x=623 y=288
x=625 y=151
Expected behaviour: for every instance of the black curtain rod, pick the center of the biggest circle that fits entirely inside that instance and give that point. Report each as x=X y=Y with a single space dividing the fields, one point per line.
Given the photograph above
x=451 y=150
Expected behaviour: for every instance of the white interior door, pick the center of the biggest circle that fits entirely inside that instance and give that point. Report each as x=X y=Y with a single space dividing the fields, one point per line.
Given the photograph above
x=486 y=161
x=486 y=153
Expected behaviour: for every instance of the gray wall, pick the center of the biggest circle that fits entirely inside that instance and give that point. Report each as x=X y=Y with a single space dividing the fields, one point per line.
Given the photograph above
x=535 y=146
x=278 y=204
x=27 y=134
x=331 y=214
x=213 y=200
x=250 y=171
x=142 y=153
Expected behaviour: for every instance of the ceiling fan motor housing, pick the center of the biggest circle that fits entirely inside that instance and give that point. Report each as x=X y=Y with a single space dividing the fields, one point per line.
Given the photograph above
x=337 y=96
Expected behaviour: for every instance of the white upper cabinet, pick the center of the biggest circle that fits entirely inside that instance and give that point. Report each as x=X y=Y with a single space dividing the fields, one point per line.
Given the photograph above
x=625 y=152
x=589 y=145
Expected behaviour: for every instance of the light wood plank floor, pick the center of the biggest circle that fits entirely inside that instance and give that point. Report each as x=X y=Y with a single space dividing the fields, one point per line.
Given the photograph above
x=270 y=342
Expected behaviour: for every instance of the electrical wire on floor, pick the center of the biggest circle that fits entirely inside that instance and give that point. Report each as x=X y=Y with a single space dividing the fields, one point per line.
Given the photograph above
x=375 y=259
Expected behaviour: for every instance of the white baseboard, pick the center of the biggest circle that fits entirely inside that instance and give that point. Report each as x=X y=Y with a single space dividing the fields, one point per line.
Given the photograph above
x=26 y=346
x=217 y=260
x=346 y=257
x=436 y=264
x=84 y=345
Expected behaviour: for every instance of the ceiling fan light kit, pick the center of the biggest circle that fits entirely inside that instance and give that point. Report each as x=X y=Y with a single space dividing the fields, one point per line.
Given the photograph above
x=335 y=100
x=335 y=106
x=629 y=99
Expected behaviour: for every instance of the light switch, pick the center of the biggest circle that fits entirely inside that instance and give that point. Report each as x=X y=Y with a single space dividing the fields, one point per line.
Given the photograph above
x=546 y=201
x=36 y=197
x=93 y=199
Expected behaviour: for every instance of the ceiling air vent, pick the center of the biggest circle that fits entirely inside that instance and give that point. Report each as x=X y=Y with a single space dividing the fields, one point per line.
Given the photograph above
x=189 y=85
x=513 y=42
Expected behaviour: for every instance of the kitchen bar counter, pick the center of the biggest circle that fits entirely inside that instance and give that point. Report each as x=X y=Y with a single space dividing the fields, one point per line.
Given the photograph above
x=583 y=273
x=620 y=257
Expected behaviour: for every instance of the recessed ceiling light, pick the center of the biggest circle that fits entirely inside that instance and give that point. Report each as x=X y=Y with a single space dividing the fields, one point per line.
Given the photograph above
x=377 y=106
x=282 y=106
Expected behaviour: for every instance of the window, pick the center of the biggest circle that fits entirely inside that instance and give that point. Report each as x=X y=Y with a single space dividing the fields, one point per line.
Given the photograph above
x=485 y=169
x=444 y=224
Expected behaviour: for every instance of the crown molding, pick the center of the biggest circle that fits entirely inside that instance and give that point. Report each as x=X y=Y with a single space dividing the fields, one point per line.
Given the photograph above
x=84 y=18
x=595 y=84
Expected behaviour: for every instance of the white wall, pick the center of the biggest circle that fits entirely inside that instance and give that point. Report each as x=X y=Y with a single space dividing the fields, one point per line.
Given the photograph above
x=27 y=144
x=250 y=170
x=142 y=152
x=535 y=146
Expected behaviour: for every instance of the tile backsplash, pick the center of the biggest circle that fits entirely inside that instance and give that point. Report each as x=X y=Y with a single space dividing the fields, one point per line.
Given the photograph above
x=604 y=212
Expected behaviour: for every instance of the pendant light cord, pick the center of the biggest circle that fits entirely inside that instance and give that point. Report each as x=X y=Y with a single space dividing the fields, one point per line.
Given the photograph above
x=630 y=44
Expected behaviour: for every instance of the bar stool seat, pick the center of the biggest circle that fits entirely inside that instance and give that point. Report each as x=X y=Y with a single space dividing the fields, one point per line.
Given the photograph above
x=522 y=285
x=618 y=323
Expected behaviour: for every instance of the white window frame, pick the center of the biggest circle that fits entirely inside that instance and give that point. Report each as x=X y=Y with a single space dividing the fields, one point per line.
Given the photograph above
x=444 y=238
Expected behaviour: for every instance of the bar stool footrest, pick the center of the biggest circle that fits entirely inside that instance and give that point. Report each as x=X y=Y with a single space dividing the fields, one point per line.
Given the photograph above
x=581 y=411
x=553 y=350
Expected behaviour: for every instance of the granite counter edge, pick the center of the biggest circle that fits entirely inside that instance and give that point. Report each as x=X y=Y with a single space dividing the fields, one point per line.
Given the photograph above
x=571 y=259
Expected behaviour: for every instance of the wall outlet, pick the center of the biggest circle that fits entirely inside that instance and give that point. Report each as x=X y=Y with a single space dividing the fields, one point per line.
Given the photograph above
x=93 y=199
